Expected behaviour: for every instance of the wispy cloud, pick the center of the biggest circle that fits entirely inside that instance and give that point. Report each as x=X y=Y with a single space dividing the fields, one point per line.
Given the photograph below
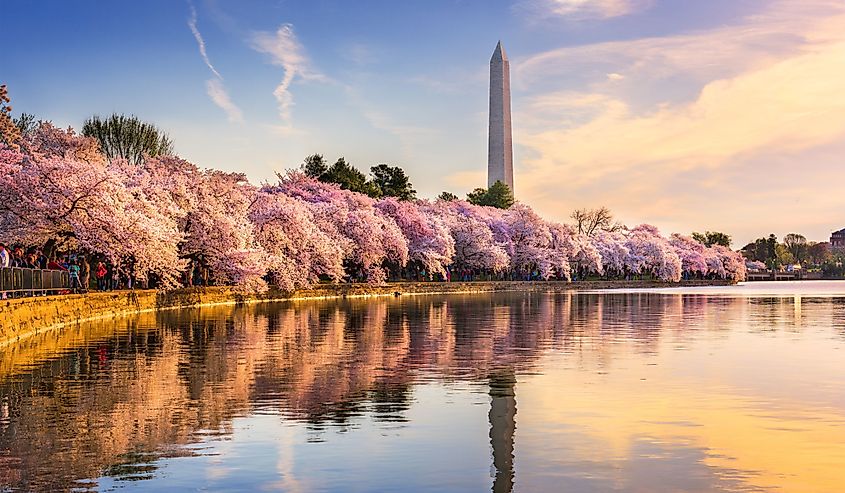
x=192 y=23
x=218 y=94
x=285 y=51
x=583 y=9
x=214 y=87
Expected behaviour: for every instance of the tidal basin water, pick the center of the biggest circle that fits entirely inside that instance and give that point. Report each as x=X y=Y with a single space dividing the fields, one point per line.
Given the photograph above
x=738 y=389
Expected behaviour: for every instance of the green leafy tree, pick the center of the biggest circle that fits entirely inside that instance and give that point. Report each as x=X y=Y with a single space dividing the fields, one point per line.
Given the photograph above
x=349 y=178
x=477 y=196
x=784 y=256
x=771 y=250
x=499 y=195
x=315 y=166
x=122 y=136
x=391 y=181
x=819 y=253
x=27 y=123
x=711 y=238
x=763 y=250
x=447 y=196
x=796 y=244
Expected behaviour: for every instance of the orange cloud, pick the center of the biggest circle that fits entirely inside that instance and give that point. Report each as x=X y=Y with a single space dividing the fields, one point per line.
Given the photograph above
x=736 y=98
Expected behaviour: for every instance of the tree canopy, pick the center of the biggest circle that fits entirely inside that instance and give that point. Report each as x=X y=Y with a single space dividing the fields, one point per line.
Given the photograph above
x=387 y=181
x=391 y=181
x=796 y=244
x=315 y=166
x=711 y=238
x=348 y=177
x=122 y=136
x=499 y=195
x=590 y=221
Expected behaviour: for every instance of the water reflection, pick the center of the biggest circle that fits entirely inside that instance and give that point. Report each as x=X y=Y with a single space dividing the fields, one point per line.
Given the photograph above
x=502 y=427
x=617 y=392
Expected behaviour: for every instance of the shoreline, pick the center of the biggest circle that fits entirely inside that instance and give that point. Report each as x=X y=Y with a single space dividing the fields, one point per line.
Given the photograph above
x=21 y=318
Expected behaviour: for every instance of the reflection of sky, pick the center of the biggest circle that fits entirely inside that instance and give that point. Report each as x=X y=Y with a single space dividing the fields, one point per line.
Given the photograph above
x=440 y=448
x=739 y=404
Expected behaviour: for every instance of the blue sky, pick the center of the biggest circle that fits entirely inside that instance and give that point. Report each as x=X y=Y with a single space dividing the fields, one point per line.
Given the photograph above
x=687 y=114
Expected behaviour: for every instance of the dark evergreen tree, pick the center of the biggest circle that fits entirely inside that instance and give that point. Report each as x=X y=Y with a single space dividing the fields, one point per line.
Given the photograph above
x=499 y=195
x=391 y=181
x=349 y=178
x=315 y=166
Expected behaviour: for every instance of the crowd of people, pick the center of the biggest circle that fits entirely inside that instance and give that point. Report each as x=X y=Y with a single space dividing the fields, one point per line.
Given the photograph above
x=83 y=275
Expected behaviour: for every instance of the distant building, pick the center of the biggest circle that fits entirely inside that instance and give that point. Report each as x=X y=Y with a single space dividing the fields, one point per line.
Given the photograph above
x=837 y=239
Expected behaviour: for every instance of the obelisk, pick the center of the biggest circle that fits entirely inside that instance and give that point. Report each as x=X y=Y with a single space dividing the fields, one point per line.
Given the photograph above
x=499 y=142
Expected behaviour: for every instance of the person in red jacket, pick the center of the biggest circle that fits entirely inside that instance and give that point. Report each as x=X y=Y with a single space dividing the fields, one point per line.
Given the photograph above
x=54 y=264
x=101 y=276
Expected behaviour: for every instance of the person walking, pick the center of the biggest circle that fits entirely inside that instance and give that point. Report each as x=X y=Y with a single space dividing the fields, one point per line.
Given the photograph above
x=73 y=269
x=101 y=276
x=84 y=273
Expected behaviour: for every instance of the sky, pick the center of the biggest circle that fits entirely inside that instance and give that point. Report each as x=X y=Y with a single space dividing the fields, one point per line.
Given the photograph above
x=692 y=115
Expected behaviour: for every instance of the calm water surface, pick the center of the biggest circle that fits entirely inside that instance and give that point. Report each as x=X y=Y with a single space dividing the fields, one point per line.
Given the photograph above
x=737 y=389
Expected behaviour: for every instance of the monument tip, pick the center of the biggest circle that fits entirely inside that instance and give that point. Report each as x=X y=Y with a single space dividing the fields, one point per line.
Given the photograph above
x=499 y=52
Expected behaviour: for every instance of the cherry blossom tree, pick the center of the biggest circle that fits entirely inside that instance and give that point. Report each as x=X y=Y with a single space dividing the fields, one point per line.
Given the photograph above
x=475 y=247
x=154 y=216
x=651 y=253
x=429 y=240
x=614 y=253
x=691 y=253
x=715 y=267
x=47 y=140
x=86 y=204
x=217 y=226
x=578 y=248
x=733 y=262
x=299 y=252
x=371 y=239
x=531 y=243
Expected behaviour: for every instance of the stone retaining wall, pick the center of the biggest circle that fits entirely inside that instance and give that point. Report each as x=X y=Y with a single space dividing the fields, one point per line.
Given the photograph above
x=25 y=317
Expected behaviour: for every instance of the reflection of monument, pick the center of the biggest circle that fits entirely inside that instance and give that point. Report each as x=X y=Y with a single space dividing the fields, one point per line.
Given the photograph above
x=502 y=426
x=499 y=143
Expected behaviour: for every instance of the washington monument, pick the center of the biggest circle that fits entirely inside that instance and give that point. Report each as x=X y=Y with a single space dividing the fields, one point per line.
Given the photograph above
x=499 y=143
